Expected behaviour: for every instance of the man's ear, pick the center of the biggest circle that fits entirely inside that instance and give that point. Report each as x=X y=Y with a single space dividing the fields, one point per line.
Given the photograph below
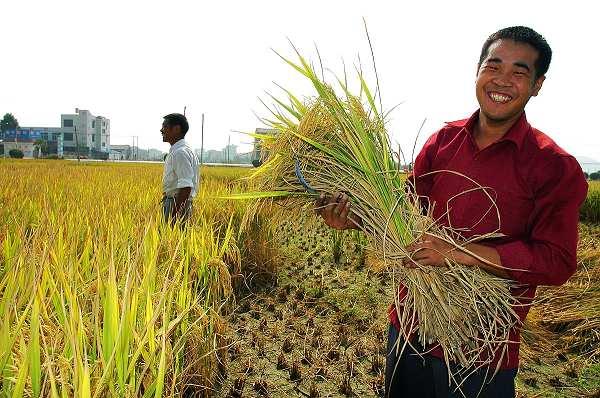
x=178 y=130
x=537 y=85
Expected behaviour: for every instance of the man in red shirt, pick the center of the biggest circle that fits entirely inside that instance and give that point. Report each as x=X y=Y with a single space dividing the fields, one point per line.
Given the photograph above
x=537 y=189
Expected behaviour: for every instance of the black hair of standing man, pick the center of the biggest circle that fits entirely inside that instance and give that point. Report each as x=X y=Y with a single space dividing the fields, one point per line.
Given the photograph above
x=177 y=119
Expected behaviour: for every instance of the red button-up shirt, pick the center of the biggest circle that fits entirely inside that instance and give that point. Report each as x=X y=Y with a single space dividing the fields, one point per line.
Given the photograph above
x=537 y=188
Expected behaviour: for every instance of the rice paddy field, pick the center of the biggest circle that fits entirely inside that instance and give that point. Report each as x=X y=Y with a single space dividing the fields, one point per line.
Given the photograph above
x=99 y=298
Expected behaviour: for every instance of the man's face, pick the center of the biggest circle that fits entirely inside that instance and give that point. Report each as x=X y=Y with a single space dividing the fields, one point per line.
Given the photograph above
x=170 y=133
x=506 y=80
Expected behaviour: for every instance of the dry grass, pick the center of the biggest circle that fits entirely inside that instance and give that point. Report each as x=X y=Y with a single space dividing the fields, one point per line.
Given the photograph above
x=567 y=317
x=561 y=338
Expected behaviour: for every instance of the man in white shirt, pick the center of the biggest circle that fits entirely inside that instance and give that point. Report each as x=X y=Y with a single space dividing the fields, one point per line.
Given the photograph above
x=180 y=177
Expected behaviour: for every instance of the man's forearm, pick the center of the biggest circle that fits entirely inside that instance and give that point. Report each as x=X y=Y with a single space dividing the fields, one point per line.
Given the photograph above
x=482 y=256
x=181 y=198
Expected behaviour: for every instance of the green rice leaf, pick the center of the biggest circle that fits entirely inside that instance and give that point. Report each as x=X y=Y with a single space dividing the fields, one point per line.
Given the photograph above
x=23 y=371
x=259 y=195
x=34 y=349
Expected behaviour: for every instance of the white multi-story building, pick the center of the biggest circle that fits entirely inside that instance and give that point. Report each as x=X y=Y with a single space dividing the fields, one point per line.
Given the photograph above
x=84 y=131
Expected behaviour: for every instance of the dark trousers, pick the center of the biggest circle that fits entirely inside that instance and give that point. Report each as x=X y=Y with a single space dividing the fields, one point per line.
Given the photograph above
x=426 y=376
x=168 y=203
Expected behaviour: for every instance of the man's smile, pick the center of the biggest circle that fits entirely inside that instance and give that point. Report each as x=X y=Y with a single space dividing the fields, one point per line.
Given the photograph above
x=499 y=97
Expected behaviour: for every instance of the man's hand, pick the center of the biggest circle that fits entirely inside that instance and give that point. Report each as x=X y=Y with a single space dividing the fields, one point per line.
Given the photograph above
x=429 y=250
x=334 y=210
x=432 y=251
x=183 y=195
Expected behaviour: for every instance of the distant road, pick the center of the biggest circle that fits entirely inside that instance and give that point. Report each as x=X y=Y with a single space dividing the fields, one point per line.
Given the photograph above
x=159 y=162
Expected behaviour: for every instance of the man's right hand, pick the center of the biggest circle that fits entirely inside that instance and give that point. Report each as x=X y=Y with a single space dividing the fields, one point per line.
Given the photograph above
x=334 y=210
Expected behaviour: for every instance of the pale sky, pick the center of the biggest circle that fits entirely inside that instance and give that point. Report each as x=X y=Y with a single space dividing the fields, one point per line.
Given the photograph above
x=135 y=61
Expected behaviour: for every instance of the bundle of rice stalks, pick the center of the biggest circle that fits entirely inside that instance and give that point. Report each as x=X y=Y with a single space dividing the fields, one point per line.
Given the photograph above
x=338 y=143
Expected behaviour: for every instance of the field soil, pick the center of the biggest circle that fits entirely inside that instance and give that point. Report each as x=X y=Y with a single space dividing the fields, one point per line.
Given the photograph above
x=317 y=327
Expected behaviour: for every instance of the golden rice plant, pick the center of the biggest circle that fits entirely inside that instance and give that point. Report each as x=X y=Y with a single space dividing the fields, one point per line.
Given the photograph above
x=337 y=141
x=590 y=209
x=98 y=297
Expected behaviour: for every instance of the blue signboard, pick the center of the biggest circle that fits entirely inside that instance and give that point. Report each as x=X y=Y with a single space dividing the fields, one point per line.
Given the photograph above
x=10 y=134
x=23 y=135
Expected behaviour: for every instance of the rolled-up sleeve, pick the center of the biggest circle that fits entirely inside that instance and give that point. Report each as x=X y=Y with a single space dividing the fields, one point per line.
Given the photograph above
x=182 y=166
x=549 y=255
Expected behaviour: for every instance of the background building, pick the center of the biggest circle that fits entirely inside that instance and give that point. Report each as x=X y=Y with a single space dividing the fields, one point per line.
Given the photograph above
x=121 y=152
x=85 y=133
x=258 y=154
x=80 y=134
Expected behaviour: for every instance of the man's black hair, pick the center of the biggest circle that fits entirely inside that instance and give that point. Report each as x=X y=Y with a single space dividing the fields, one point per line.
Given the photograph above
x=523 y=34
x=177 y=119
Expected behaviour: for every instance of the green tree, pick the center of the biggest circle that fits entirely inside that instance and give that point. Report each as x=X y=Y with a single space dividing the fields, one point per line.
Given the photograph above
x=595 y=176
x=42 y=146
x=16 y=154
x=8 y=122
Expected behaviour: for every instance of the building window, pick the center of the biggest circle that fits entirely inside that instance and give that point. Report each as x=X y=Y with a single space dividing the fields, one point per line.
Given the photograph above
x=69 y=136
x=93 y=123
x=93 y=138
x=68 y=123
x=103 y=144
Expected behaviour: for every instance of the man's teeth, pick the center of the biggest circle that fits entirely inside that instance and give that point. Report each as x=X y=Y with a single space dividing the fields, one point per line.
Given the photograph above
x=500 y=97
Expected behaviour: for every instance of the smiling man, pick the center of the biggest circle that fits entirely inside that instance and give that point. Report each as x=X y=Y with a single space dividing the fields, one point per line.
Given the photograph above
x=180 y=177
x=536 y=187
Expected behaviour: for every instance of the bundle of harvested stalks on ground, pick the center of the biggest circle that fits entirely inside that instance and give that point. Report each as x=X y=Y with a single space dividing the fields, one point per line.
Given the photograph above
x=569 y=314
x=575 y=319
x=338 y=143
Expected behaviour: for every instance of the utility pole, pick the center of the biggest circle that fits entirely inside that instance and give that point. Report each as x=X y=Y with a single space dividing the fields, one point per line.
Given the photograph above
x=184 y=108
x=202 y=142
x=135 y=143
x=228 y=147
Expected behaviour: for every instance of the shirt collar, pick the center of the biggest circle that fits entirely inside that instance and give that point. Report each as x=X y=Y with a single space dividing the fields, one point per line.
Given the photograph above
x=178 y=144
x=516 y=133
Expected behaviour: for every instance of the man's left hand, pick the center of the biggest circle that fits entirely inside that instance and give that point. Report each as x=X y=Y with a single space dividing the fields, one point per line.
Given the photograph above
x=181 y=198
x=431 y=251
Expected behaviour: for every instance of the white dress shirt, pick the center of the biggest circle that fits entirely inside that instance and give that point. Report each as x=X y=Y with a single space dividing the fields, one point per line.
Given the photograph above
x=181 y=169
